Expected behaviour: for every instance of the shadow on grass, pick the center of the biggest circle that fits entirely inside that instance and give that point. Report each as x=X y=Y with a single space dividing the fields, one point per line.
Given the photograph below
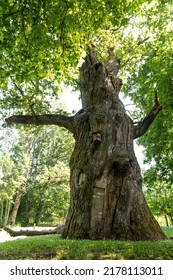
x=54 y=248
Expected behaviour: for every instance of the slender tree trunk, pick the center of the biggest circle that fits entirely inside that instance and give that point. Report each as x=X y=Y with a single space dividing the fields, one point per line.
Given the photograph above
x=28 y=208
x=166 y=220
x=38 y=212
x=7 y=211
x=2 y=213
x=17 y=204
x=171 y=218
x=106 y=185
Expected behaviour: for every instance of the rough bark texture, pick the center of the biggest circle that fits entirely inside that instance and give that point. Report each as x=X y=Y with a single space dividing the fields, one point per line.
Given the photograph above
x=107 y=201
x=63 y=121
x=106 y=185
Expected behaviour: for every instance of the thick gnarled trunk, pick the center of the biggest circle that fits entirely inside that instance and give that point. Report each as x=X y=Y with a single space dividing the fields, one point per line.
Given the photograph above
x=106 y=185
x=107 y=201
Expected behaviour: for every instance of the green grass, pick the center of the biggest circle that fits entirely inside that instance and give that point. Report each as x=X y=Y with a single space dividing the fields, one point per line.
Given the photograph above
x=55 y=248
x=168 y=231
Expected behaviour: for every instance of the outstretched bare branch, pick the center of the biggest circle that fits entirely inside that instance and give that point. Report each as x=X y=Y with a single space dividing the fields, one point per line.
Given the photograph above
x=49 y=119
x=142 y=127
x=27 y=232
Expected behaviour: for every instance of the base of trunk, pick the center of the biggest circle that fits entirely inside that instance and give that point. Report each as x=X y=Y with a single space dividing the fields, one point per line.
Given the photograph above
x=118 y=211
x=148 y=231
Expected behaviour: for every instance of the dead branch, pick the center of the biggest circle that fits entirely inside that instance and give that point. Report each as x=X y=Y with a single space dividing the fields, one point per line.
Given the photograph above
x=21 y=232
x=142 y=127
x=49 y=119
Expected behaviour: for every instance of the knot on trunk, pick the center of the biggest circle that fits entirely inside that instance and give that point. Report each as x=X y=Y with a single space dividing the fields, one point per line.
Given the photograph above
x=96 y=138
x=113 y=63
x=117 y=83
x=120 y=161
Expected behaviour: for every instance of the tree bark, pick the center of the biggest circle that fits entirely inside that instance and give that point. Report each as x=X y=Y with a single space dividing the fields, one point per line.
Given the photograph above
x=63 y=121
x=38 y=211
x=2 y=213
x=7 y=210
x=19 y=194
x=28 y=208
x=15 y=233
x=107 y=200
x=166 y=221
x=144 y=125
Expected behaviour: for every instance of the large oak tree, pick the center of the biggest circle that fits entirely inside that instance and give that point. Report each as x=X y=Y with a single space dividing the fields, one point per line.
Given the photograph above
x=43 y=42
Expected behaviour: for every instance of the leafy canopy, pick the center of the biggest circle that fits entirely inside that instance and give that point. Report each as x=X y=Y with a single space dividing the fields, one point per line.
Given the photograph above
x=42 y=43
x=154 y=73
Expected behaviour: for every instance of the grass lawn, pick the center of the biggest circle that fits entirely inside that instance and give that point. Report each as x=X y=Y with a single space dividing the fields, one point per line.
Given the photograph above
x=52 y=247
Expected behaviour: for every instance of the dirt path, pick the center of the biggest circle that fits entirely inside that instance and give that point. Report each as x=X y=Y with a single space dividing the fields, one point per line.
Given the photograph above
x=4 y=236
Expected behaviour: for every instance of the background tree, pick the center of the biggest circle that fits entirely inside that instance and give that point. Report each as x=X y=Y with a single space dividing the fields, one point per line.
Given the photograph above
x=154 y=74
x=159 y=194
x=48 y=188
x=34 y=174
x=13 y=171
x=46 y=50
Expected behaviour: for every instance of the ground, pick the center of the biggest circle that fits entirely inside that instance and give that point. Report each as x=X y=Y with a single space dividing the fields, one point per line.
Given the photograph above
x=52 y=247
